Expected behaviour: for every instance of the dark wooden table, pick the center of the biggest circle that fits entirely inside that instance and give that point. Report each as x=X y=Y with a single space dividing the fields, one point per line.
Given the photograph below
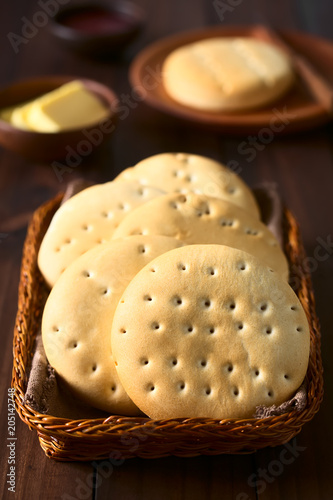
x=302 y=165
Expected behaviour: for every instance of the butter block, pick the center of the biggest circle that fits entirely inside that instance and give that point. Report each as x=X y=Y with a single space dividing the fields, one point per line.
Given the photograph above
x=68 y=107
x=18 y=117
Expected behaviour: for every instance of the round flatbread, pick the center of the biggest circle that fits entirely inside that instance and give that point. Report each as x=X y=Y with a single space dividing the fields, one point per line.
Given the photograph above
x=195 y=218
x=183 y=172
x=86 y=220
x=227 y=74
x=209 y=331
x=78 y=314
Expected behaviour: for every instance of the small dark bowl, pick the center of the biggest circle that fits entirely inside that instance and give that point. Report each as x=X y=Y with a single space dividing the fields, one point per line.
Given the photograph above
x=101 y=29
x=41 y=146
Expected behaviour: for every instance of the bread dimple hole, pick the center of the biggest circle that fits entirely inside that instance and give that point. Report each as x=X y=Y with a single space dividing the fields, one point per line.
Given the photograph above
x=113 y=388
x=231 y=190
x=211 y=330
x=208 y=391
x=252 y=232
x=256 y=373
x=182 y=386
x=85 y=227
x=190 y=329
x=174 y=205
x=182 y=199
x=204 y=209
x=299 y=329
x=226 y=222
x=177 y=300
x=232 y=305
x=105 y=291
x=87 y=274
x=122 y=330
x=176 y=173
x=293 y=308
x=68 y=241
x=203 y=363
x=94 y=367
x=74 y=345
x=153 y=270
x=142 y=249
x=242 y=266
x=240 y=326
x=236 y=392
x=182 y=267
x=207 y=303
x=230 y=367
x=263 y=307
x=270 y=394
x=212 y=271
x=56 y=329
x=144 y=361
x=140 y=191
x=147 y=298
x=151 y=387
x=286 y=376
x=155 y=326
x=174 y=362
x=269 y=330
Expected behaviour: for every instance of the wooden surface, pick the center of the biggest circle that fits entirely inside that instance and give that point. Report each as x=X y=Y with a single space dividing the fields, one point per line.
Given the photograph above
x=301 y=165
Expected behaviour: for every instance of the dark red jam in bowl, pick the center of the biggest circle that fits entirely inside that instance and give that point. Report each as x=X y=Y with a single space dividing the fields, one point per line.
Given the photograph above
x=96 y=20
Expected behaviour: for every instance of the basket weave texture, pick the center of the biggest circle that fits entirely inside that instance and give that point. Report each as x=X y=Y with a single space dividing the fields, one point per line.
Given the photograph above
x=92 y=439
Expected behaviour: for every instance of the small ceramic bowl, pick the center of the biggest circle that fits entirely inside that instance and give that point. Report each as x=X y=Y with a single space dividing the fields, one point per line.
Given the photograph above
x=40 y=146
x=98 y=29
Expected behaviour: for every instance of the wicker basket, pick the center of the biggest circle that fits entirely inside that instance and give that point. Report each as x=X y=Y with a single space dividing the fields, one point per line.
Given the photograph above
x=91 y=439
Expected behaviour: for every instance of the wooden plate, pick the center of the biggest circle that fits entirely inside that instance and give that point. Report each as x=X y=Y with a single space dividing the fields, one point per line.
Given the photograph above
x=295 y=111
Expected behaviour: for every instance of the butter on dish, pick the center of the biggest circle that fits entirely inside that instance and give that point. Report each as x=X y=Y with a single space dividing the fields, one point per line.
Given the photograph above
x=68 y=107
